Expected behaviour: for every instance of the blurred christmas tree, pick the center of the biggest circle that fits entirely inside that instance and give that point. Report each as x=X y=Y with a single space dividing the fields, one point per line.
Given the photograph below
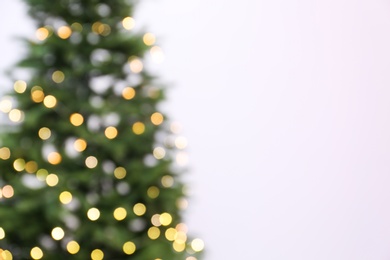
x=86 y=167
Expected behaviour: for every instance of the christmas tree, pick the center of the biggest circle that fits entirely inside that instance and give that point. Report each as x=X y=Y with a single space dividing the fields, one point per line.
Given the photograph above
x=88 y=165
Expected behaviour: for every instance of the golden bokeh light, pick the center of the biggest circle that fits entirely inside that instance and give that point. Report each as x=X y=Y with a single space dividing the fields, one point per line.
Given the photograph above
x=2 y=233
x=154 y=233
x=8 y=191
x=31 y=167
x=5 y=255
x=5 y=105
x=42 y=174
x=73 y=247
x=157 y=118
x=50 y=101
x=37 y=94
x=165 y=219
x=156 y=220
x=120 y=173
x=93 y=214
x=191 y=258
x=76 y=27
x=5 y=153
x=136 y=65
x=138 y=128
x=65 y=197
x=20 y=86
x=91 y=162
x=128 y=23
x=153 y=192
x=128 y=93
x=120 y=213
x=36 y=253
x=54 y=158
x=58 y=76
x=167 y=181
x=19 y=164
x=149 y=39
x=178 y=247
x=44 y=133
x=197 y=244
x=97 y=254
x=129 y=248
x=76 y=119
x=139 y=209
x=64 y=32
x=52 y=180
x=80 y=145
x=157 y=54
x=159 y=153
x=15 y=115
x=57 y=233
x=170 y=234
x=181 y=142
x=180 y=237
x=42 y=33
x=111 y=132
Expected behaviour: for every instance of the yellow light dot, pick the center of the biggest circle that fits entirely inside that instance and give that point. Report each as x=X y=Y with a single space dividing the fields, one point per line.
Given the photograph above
x=178 y=247
x=54 y=158
x=138 y=128
x=58 y=76
x=97 y=254
x=182 y=203
x=139 y=209
x=15 y=115
x=44 y=133
x=80 y=145
x=120 y=172
x=165 y=219
x=50 y=101
x=128 y=23
x=77 y=27
x=159 y=153
x=65 y=197
x=57 y=233
x=91 y=162
x=156 y=220
x=93 y=214
x=31 y=167
x=19 y=164
x=42 y=33
x=180 y=237
x=76 y=119
x=136 y=65
x=64 y=32
x=157 y=118
x=8 y=191
x=5 y=153
x=36 y=253
x=153 y=192
x=5 y=105
x=167 y=181
x=52 y=180
x=73 y=247
x=120 y=213
x=149 y=39
x=197 y=245
x=128 y=93
x=2 y=233
x=20 y=86
x=42 y=174
x=37 y=94
x=191 y=258
x=157 y=54
x=104 y=29
x=153 y=232
x=170 y=234
x=129 y=248
x=111 y=132
x=181 y=142
x=5 y=255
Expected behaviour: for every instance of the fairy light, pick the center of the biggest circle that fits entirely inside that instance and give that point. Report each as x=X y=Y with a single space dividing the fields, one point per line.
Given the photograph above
x=157 y=118
x=181 y=142
x=153 y=192
x=5 y=105
x=159 y=153
x=191 y=258
x=120 y=173
x=180 y=237
x=2 y=233
x=5 y=153
x=80 y=145
x=64 y=32
x=58 y=76
x=111 y=132
x=170 y=234
x=37 y=94
x=136 y=65
x=50 y=101
x=15 y=115
x=165 y=219
x=42 y=33
x=57 y=233
x=52 y=180
x=91 y=162
x=5 y=255
x=42 y=174
x=31 y=167
x=44 y=133
x=129 y=248
x=8 y=191
x=128 y=23
x=20 y=86
x=36 y=253
x=154 y=233
x=157 y=54
x=138 y=128
x=139 y=209
x=167 y=181
x=128 y=93
x=19 y=164
x=97 y=254
x=93 y=214
x=120 y=213
x=76 y=27
x=149 y=39
x=73 y=247
x=76 y=119
x=156 y=220
x=178 y=247
x=197 y=245
x=54 y=158
x=65 y=197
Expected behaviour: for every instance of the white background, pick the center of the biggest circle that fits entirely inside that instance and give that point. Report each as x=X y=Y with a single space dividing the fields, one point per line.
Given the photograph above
x=286 y=108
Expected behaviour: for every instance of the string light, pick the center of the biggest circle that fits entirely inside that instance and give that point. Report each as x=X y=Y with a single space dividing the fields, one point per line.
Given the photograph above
x=57 y=233
x=153 y=192
x=138 y=128
x=128 y=23
x=154 y=233
x=44 y=133
x=97 y=254
x=93 y=214
x=91 y=162
x=65 y=197
x=120 y=173
x=139 y=209
x=167 y=181
x=129 y=248
x=157 y=54
x=19 y=164
x=111 y=132
x=76 y=119
x=42 y=174
x=31 y=167
x=165 y=219
x=128 y=93
x=15 y=115
x=8 y=191
x=120 y=213
x=80 y=145
x=2 y=233
x=42 y=33
x=52 y=180
x=5 y=105
x=54 y=158
x=156 y=220
x=170 y=234
x=157 y=118
x=37 y=94
x=197 y=245
x=64 y=32
x=178 y=247
x=73 y=247
x=149 y=39
x=20 y=86
x=58 y=76
x=5 y=153
x=136 y=65
x=50 y=101
x=36 y=253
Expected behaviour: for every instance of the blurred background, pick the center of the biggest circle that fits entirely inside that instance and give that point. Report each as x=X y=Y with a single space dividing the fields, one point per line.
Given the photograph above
x=285 y=105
